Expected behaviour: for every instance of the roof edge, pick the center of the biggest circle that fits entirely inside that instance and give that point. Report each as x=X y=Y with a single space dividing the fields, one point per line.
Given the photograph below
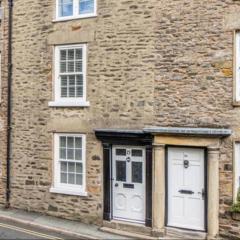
x=207 y=132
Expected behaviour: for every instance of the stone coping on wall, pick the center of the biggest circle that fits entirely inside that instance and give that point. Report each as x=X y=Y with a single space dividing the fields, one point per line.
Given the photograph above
x=203 y=132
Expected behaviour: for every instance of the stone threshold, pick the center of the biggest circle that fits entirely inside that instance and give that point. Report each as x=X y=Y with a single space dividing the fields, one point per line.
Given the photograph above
x=127 y=229
x=176 y=233
x=138 y=231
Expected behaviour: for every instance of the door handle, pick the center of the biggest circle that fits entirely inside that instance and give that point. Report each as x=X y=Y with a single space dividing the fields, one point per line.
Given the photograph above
x=116 y=184
x=186 y=192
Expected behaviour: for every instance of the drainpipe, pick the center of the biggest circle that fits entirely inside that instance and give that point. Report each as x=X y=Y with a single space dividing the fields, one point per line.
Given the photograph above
x=9 y=104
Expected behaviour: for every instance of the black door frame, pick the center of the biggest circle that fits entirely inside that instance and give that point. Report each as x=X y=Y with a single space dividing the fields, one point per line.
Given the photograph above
x=129 y=138
x=205 y=184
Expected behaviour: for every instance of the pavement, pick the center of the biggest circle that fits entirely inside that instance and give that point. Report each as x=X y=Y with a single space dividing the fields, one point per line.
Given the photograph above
x=19 y=224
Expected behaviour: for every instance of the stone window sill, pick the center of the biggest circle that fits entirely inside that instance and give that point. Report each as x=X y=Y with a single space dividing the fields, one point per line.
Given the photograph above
x=236 y=103
x=68 y=192
x=68 y=104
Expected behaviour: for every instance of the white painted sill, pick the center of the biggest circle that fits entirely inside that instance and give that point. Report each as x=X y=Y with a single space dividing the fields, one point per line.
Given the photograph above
x=69 y=104
x=68 y=192
x=62 y=19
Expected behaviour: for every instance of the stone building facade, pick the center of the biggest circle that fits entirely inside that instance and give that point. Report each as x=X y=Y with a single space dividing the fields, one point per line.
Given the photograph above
x=157 y=79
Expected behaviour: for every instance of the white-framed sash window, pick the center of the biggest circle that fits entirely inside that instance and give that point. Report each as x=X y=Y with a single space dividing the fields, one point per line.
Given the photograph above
x=69 y=164
x=237 y=66
x=70 y=65
x=70 y=9
x=236 y=169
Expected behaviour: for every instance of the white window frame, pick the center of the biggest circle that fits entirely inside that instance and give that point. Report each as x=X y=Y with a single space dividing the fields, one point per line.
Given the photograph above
x=236 y=166
x=69 y=189
x=0 y=77
x=237 y=66
x=67 y=101
x=75 y=12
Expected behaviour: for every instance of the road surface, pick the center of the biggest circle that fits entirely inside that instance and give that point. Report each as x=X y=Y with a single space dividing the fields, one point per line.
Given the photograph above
x=12 y=230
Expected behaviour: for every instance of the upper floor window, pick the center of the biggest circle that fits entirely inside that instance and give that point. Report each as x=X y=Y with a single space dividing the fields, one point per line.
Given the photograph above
x=68 y=9
x=70 y=76
x=237 y=66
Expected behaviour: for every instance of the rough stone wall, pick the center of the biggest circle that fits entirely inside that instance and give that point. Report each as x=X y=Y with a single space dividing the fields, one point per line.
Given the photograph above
x=120 y=86
x=194 y=78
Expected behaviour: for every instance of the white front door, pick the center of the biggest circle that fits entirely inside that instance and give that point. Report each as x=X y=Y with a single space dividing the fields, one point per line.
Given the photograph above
x=186 y=188
x=128 y=170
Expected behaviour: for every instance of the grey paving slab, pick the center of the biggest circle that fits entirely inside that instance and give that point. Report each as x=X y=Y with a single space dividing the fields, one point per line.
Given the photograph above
x=24 y=215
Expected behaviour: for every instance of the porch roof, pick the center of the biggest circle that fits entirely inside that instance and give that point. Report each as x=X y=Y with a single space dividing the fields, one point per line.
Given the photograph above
x=203 y=132
x=119 y=130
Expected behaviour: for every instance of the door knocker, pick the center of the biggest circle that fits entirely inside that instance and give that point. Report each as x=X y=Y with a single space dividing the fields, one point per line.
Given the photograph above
x=186 y=164
x=128 y=159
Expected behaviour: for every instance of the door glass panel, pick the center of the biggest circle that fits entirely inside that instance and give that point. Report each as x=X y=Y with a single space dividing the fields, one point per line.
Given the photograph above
x=121 y=152
x=137 y=153
x=121 y=171
x=137 y=172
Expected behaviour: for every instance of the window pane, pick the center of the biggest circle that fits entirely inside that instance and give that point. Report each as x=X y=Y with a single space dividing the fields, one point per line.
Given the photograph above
x=78 y=66
x=65 y=8
x=78 y=142
x=78 y=53
x=78 y=154
x=137 y=172
x=86 y=6
x=121 y=171
x=121 y=152
x=63 y=55
x=79 y=79
x=79 y=179
x=63 y=67
x=71 y=91
x=64 y=92
x=64 y=83
x=79 y=92
x=63 y=167
x=72 y=80
x=70 y=142
x=71 y=167
x=78 y=167
x=64 y=80
x=71 y=54
x=136 y=153
x=71 y=66
x=63 y=141
x=71 y=178
x=63 y=153
x=70 y=155
x=63 y=177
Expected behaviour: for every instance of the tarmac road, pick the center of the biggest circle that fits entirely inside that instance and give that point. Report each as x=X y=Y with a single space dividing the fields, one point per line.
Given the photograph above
x=12 y=230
